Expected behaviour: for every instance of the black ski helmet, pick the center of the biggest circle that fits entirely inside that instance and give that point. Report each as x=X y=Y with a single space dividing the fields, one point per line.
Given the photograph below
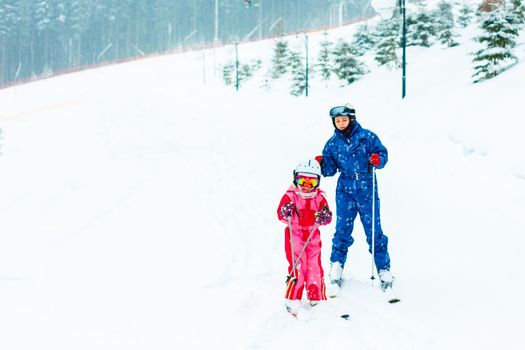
x=343 y=111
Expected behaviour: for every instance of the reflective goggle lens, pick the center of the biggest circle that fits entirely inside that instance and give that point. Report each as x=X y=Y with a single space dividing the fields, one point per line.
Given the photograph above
x=341 y=111
x=308 y=182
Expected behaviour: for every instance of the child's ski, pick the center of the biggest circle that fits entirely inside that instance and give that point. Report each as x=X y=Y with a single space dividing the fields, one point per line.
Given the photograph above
x=307 y=313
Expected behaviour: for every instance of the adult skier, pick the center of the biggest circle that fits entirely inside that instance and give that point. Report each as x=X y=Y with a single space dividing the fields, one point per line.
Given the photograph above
x=352 y=151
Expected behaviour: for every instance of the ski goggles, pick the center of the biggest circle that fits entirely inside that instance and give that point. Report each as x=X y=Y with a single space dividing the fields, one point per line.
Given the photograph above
x=307 y=181
x=342 y=111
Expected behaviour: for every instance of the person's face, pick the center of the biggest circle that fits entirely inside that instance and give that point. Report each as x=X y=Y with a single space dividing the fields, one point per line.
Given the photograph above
x=342 y=122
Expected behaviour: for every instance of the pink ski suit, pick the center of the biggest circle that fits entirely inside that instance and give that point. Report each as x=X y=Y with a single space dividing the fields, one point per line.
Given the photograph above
x=308 y=270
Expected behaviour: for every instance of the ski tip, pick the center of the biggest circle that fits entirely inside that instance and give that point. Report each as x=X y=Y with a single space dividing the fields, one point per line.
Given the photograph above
x=345 y=316
x=394 y=300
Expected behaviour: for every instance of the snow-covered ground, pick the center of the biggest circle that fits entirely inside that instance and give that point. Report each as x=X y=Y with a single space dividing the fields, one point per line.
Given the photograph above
x=137 y=207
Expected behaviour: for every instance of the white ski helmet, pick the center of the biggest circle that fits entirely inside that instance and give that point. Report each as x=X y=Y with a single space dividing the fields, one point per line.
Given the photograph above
x=309 y=167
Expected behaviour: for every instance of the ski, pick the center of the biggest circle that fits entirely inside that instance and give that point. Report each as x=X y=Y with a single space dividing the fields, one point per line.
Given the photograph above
x=334 y=289
x=307 y=313
x=393 y=300
x=390 y=294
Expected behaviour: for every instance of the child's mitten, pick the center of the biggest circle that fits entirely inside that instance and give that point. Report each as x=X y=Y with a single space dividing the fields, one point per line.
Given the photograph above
x=323 y=216
x=288 y=209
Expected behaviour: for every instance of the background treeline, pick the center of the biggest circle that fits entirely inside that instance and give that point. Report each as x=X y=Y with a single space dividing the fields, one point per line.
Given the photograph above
x=38 y=37
x=377 y=42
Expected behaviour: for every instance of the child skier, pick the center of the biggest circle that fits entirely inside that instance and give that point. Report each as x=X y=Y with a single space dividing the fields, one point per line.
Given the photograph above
x=303 y=208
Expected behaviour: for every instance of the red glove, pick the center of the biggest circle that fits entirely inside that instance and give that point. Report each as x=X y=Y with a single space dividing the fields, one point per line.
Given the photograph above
x=375 y=160
x=319 y=159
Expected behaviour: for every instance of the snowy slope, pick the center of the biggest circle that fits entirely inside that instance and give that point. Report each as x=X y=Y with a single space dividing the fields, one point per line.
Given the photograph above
x=137 y=207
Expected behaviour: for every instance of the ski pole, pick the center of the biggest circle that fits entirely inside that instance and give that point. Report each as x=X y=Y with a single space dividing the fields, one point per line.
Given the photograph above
x=304 y=247
x=373 y=220
x=294 y=278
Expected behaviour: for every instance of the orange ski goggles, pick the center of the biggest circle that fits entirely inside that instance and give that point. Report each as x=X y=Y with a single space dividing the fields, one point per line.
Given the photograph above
x=307 y=181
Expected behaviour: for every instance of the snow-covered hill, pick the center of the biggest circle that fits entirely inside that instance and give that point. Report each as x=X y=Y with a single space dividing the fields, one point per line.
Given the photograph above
x=137 y=207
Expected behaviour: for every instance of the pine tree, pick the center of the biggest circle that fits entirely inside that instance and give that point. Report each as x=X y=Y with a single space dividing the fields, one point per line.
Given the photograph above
x=297 y=67
x=411 y=23
x=324 y=64
x=246 y=70
x=385 y=52
x=346 y=65
x=518 y=9
x=245 y=73
x=466 y=13
x=227 y=73
x=499 y=37
x=445 y=24
x=363 y=40
x=280 y=58
x=423 y=29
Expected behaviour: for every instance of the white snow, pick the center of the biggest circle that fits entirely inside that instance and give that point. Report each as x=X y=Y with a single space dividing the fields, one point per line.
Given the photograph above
x=137 y=206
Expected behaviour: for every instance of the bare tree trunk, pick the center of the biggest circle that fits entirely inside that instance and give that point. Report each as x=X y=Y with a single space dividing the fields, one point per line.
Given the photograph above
x=490 y=5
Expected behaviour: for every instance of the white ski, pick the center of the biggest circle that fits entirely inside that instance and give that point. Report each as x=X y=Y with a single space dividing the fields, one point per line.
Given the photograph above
x=391 y=295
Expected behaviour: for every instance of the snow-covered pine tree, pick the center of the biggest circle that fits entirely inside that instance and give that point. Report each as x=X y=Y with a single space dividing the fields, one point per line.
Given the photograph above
x=466 y=13
x=297 y=68
x=280 y=58
x=245 y=73
x=227 y=73
x=363 y=40
x=423 y=28
x=518 y=8
x=445 y=24
x=385 y=51
x=500 y=32
x=347 y=67
x=246 y=70
x=324 y=64
x=411 y=23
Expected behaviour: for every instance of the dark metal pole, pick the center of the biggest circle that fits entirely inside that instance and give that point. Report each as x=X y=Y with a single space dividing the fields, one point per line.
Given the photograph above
x=236 y=67
x=306 y=80
x=404 y=44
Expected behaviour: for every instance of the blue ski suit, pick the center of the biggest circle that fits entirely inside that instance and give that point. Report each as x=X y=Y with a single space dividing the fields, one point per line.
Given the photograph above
x=350 y=156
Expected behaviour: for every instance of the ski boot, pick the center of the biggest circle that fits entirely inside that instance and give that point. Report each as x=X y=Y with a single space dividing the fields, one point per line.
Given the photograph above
x=292 y=306
x=336 y=279
x=387 y=283
x=386 y=279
